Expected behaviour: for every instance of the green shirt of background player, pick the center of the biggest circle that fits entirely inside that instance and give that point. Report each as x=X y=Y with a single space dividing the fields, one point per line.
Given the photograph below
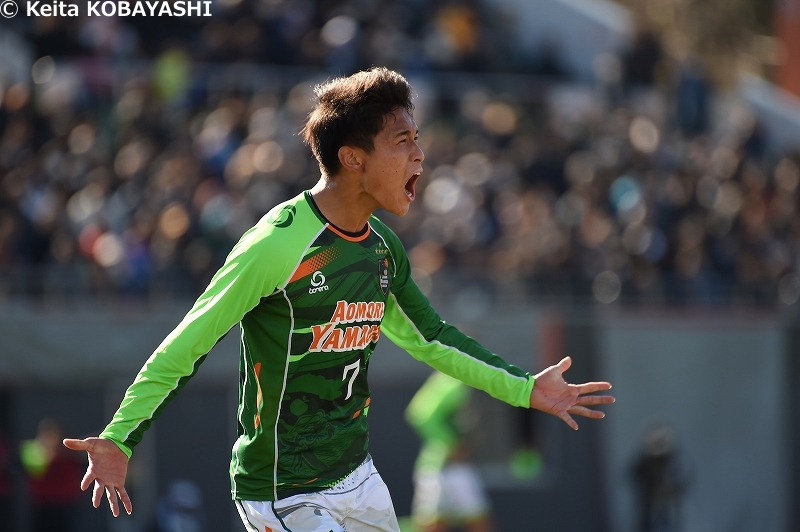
x=448 y=491
x=369 y=163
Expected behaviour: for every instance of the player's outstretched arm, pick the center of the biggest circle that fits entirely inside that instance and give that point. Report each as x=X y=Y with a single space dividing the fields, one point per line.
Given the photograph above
x=552 y=394
x=108 y=466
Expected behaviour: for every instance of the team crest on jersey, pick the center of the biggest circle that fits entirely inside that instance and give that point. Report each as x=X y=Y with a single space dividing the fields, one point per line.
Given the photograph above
x=383 y=275
x=284 y=217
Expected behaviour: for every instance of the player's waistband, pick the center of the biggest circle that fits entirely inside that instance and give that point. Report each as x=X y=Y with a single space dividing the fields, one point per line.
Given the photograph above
x=357 y=477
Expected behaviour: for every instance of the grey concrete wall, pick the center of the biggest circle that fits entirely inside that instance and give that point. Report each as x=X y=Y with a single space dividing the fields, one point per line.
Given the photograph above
x=94 y=346
x=719 y=380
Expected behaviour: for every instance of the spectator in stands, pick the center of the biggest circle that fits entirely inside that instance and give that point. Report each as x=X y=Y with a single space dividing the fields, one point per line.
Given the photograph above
x=642 y=60
x=692 y=99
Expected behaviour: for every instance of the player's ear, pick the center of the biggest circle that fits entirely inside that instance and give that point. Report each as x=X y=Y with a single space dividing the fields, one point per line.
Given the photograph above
x=351 y=159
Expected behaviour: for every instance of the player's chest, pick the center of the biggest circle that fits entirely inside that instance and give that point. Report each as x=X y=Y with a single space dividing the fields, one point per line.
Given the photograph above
x=342 y=281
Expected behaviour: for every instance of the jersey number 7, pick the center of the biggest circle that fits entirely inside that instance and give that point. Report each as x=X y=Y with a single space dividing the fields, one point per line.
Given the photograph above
x=355 y=366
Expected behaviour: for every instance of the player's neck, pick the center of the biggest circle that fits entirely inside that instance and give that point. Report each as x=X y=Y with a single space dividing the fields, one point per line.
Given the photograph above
x=342 y=205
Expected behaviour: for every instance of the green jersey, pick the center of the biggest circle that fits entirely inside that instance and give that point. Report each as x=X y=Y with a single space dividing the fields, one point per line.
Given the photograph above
x=434 y=413
x=311 y=301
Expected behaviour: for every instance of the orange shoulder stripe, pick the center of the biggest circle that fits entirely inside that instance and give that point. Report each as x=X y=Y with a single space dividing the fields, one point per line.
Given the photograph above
x=312 y=264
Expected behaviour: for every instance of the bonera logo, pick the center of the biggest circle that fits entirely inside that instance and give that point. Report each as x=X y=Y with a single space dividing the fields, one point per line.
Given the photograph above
x=317 y=283
x=8 y=8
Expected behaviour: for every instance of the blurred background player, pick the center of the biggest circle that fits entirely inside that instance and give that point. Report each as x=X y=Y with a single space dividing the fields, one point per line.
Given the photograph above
x=6 y=482
x=448 y=490
x=53 y=476
x=661 y=474
x=180 y=509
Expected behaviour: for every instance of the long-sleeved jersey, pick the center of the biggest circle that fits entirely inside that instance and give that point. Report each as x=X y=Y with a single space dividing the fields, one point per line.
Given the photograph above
x=311 y=301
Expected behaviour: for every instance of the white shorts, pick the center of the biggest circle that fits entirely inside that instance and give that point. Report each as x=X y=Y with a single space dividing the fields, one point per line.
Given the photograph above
x=360 y=502
x=454 y=495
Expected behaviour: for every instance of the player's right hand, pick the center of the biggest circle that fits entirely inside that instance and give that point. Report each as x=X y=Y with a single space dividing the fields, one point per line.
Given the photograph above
x=108 y=466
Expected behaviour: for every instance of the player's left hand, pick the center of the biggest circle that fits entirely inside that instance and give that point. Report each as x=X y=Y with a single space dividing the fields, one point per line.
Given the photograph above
x=552 y=394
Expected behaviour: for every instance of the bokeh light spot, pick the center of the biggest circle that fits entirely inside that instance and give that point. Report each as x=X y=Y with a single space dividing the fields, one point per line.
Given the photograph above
x=475 y=168
x=239 y=168
x=594 y=229
x=174 y=221
x=268 y=157
x=85 y=203
x=636 y=239
x=789 y=289
x=707 y=191
x=499 y=118
x=724 y=162
x=339 y=31
x=606 y=287
x=108 y=250
x=570 y=209
x=81 y=139
x=427 y=256
x=442 y=195
x=43 y=69
x=263 y=123
x=624 y=193
x=130 y=159
x=729 y=200
x=787 y=175
x=579 y=168
x=643 y=135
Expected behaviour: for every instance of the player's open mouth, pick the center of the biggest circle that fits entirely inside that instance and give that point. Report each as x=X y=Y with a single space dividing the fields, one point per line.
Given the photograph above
x=410 y=192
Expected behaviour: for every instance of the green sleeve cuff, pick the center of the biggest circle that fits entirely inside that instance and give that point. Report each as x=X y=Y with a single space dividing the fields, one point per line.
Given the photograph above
x=531 y=384
x=122 y=447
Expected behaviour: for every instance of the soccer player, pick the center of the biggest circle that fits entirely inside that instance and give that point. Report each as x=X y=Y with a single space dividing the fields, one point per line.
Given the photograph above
x=448 y=491
x=313 y=285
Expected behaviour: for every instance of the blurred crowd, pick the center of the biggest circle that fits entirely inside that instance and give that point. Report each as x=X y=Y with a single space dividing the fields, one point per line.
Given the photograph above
x=346 y=35
x=134 y=157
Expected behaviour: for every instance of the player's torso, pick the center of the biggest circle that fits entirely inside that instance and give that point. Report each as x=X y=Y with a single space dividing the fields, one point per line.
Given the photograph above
x=327 y=321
